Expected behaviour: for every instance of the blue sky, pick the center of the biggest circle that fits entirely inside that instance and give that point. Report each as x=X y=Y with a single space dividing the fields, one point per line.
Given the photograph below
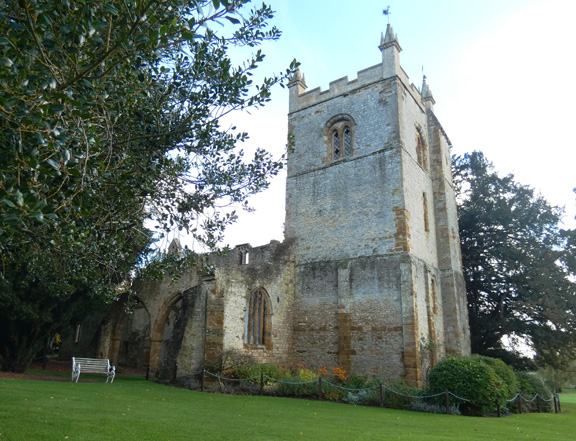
x=501 y=71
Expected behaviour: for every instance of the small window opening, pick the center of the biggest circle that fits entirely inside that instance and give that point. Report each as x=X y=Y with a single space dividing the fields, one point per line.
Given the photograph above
x=421 y=150
x=425 y=209
x=244 y=257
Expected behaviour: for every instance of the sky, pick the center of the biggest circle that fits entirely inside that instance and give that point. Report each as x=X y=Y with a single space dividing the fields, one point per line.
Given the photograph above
x=501 y=71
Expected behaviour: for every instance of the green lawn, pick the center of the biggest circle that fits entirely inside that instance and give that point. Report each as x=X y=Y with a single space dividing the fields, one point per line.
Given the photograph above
x=132 y=409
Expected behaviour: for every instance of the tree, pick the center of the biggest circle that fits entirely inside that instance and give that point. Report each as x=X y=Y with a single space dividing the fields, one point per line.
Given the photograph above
x=515 y=258
x=110 y=118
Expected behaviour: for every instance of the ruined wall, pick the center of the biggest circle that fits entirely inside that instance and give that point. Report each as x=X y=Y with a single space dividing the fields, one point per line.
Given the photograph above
x=238 y=275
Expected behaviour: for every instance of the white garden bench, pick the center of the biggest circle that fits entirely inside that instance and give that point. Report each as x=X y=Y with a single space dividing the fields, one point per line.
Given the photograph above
x=93 y=366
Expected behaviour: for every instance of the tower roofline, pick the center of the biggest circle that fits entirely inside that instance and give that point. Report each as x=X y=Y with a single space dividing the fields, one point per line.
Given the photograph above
x=390 y=39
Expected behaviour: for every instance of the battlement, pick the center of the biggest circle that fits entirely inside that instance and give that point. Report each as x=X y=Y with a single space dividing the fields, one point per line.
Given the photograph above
x=301 y=99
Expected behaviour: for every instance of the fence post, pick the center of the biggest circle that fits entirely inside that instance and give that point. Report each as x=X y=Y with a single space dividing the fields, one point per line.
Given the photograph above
x=381 y=395
x=559 y=406
x=320 y=388
x=147 y=372
x=44 y=362
x=447 y=396
x=498 y=409
x=202 y=381
x=555 y=404
x=538 y=403
x=261 y=384
x=519 y=403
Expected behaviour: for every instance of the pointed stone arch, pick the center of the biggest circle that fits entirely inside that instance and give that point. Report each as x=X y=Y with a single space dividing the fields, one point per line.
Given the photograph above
x=119 y=333
x=339 y=136
x=157 y=333
x=258 y=320
x=421 y=148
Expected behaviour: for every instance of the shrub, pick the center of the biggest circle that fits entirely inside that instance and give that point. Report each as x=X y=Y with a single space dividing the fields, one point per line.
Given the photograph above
x=331 y=393
x=300 y=383
x=471 y=379
x=505 y=372
x=529 y=385
x=291 y=385
x=359 y=382
x=340 y=374
x=360 y=398
x=401 y=397
x=307 y=375
x=253 y=371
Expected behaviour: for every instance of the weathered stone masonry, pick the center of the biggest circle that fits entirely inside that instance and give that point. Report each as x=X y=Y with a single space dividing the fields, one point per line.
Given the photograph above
x=370 y=267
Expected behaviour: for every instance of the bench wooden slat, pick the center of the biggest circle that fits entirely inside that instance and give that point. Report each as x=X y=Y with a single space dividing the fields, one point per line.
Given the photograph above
x=92 y=366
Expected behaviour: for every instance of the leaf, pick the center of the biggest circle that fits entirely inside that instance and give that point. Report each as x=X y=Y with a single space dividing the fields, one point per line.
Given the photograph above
x=53 y=164
x=5 y=62
x=11 y=219
x=57 y=108
x=232 y=19
x=19 y=198
x=9 y=203
x=36 y=215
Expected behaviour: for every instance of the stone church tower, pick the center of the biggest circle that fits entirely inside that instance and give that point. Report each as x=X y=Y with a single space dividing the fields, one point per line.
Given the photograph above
x=371 y=211
x=369 y=276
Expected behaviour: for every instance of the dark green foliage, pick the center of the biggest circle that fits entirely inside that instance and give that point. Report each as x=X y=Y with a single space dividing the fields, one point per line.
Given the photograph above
x=254 y=370
x=110 y=118
x=518 y=265
x=471 y=379
x=358 y=382
x=505 y=372
x=401 y=396
x=292 y=385
x=529 y=385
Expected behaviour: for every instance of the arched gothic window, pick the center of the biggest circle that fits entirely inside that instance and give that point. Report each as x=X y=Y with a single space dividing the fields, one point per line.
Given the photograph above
x=257 y=330
x=340 y=133
x=341 y=141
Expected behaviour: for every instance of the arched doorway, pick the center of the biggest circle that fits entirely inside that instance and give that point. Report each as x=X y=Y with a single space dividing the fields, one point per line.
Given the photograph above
x=130 y=343
x=163 y=330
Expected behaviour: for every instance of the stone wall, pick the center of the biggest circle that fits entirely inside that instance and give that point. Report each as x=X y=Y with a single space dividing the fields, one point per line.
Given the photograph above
x=271 y=268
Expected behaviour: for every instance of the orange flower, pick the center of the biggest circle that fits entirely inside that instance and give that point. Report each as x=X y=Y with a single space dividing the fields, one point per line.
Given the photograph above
x=340 y=373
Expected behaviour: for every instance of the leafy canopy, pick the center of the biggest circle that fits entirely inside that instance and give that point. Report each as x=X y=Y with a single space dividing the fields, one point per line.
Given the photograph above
x=516 y=262
x=110 y=117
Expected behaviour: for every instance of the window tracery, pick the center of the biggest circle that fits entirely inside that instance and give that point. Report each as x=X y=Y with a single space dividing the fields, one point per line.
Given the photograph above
x=340 y=134
x=257 y=321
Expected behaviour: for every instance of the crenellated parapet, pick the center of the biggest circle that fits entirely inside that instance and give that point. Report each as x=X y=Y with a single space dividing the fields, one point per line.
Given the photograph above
x=388 y=69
